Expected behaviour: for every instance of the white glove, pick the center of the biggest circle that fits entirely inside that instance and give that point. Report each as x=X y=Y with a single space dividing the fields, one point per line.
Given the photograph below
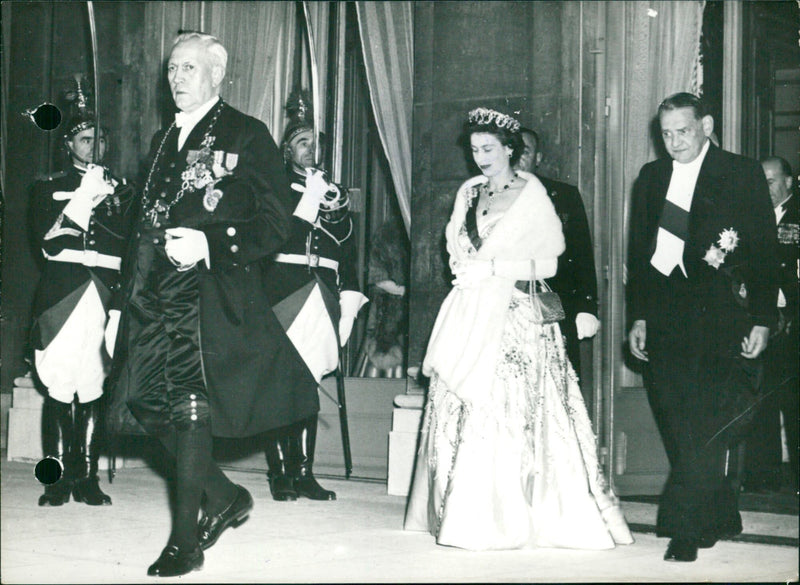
x=185 y=247
x=112 y=326
x=391 y=287
x=468 y=274
x=350 y=303
x=92 y=190
x=587 y=325
x=313 y=195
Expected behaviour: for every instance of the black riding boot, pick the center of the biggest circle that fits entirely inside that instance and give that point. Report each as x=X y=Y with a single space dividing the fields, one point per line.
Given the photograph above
x=86 y=487
x=305 y=439
x=57 y=433
x=276 y=450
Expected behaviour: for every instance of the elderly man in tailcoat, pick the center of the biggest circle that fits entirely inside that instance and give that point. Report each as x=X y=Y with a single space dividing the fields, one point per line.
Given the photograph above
x=197 y=335
x=702 y=284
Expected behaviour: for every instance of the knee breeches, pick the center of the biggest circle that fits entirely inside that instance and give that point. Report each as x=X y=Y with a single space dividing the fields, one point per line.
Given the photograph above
x=164 y=354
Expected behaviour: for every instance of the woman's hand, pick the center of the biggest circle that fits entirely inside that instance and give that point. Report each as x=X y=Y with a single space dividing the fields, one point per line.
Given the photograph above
x=470 y=273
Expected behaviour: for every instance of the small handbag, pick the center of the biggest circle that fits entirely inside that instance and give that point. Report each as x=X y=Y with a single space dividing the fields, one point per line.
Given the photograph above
x=546 y=304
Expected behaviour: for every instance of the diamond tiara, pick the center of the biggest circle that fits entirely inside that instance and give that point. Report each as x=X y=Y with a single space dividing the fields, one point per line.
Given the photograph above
x=486 y=116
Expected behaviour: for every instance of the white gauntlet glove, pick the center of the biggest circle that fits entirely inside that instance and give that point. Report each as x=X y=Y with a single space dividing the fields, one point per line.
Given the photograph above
x=470 y=273
x=350 y=302
x=91 y=192
x=185 y=247
x=112 y=326
x=587 y=325
x=313 y=195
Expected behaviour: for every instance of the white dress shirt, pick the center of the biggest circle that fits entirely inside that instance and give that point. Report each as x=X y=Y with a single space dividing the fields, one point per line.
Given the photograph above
x=186 y=121
x=669 y=247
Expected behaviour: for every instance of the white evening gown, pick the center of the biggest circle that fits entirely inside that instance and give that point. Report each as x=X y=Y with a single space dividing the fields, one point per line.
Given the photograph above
x=518 y=468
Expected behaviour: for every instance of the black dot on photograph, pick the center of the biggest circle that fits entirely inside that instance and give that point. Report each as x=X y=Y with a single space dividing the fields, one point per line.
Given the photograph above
x=48 y=471
x=47 y=117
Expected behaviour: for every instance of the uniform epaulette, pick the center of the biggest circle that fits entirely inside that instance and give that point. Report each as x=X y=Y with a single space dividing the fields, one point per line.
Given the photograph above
x=51 y=176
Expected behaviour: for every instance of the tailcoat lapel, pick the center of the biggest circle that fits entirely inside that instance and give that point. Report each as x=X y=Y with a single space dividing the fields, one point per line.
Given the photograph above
x=658 y=195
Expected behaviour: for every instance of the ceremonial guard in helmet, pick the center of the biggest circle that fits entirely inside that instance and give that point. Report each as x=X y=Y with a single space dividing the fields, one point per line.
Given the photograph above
x=313 y=288
x=80 y=225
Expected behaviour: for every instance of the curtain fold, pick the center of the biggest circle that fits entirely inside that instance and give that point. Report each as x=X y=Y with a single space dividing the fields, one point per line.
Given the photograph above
x=387 y=30
x=260 y=40
x=319 y=14
x=662 y=57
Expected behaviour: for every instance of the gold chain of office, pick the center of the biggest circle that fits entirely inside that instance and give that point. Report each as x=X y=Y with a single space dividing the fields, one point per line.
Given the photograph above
x=151 y=211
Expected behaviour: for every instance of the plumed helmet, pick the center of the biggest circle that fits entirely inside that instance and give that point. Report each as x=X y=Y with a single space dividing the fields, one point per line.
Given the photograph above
x=300 y=112
x=82 y=117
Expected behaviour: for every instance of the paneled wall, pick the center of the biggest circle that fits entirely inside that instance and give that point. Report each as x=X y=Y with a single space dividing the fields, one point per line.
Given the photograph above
x=535 y=60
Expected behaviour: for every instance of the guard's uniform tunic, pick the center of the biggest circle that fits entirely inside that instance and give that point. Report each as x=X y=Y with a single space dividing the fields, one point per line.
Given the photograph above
x=79 y=275
x=316 y=264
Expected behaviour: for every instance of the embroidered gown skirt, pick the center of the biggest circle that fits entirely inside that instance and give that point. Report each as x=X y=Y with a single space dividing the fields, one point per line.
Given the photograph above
x=518 y=467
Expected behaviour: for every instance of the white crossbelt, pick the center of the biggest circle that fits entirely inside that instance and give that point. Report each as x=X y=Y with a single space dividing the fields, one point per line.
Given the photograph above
x=312 y=260
x=90 y=258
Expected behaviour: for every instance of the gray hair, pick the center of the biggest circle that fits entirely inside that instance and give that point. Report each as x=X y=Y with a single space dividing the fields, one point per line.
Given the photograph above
x=216 y=52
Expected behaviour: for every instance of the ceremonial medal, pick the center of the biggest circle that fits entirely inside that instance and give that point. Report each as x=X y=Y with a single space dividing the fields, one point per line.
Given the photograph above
x=211 y=198
x=788 y=233
x=152 y=213
x=231 y=160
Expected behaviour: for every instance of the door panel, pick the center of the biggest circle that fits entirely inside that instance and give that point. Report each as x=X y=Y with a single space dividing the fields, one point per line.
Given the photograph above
x=640 y=464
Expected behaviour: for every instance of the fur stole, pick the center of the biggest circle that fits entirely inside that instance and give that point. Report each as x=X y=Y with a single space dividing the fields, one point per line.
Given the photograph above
x=466 y=337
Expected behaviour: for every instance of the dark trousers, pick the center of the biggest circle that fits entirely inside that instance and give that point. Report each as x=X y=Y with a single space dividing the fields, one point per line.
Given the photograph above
x=700 y=397
x=167 y=390
x=763 y=447
x=579 y=353
x=164 y=358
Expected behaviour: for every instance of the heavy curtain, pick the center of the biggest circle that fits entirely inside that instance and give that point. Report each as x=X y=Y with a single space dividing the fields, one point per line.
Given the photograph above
x=387 y=39
x=318 y=16
x=662 y=57
x=261 y=42
x=260 y=39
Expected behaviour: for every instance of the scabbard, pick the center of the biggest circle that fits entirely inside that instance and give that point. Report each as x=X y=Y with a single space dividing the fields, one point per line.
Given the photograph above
x=342 y=403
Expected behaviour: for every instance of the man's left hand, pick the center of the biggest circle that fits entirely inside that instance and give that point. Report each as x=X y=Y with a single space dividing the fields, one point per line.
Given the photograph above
x=587 y=325
x=756 y=342
x=185 y=247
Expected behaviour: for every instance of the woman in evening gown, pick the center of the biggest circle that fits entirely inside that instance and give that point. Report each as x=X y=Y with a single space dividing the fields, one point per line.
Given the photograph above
x=507 y=457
